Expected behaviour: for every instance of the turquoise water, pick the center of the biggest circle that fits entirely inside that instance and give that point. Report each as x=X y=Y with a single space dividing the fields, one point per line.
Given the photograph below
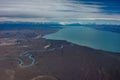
x=30 y=56
x=102 y=40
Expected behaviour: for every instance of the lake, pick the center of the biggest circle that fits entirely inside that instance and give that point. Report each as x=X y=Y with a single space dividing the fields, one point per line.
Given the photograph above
x=89 y=37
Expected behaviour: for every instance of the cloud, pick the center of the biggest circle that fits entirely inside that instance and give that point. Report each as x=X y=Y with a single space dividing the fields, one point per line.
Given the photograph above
x=50 y=10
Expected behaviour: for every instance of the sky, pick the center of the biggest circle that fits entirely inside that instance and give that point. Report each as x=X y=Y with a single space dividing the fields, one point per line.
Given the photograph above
x=62 y=11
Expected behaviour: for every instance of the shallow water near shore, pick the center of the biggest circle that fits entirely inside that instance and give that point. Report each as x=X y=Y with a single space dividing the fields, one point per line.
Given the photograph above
x=89 y=37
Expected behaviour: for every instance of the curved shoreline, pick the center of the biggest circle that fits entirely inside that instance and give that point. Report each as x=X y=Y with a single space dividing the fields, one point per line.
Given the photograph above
x=85 y=36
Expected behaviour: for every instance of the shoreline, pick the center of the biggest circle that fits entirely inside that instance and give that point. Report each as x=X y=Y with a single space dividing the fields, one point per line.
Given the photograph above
x=100 y=40
x=64 y=60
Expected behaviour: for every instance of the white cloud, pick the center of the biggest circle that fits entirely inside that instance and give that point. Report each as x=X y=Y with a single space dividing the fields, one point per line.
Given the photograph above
x=47 y=10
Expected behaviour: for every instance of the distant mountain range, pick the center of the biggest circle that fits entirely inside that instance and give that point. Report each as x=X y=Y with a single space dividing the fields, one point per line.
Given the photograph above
x=32 y=25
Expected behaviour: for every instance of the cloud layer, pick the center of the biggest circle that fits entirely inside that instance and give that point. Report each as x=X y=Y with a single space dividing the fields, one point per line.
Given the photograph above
x=51 y=10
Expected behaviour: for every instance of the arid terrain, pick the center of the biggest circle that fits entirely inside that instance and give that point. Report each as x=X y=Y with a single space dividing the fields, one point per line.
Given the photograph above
x=25 y=55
